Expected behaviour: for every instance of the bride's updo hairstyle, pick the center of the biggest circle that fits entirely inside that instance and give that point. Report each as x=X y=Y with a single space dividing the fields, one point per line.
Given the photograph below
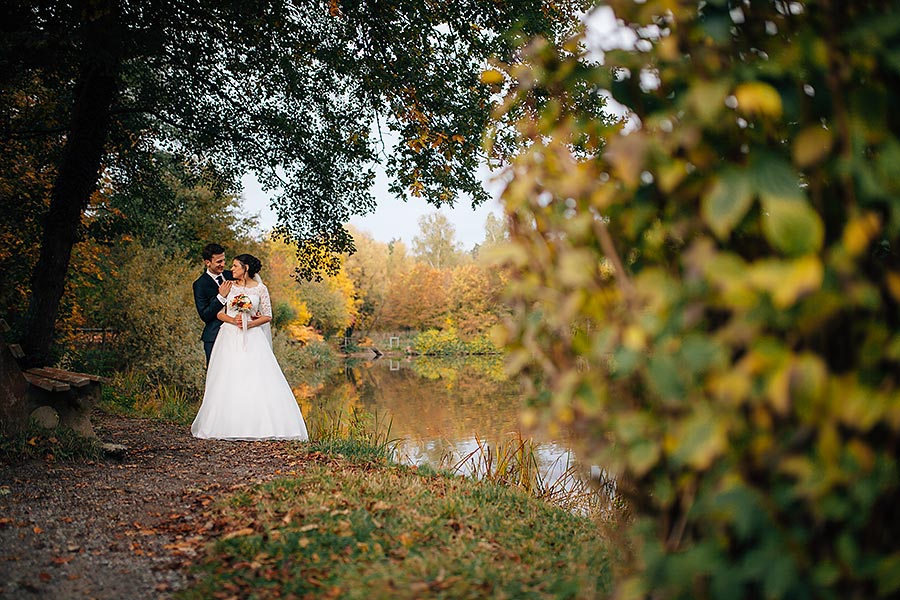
x=250 y=262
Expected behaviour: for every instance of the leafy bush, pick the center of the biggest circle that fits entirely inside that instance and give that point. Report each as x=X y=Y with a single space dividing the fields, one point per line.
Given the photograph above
x=439 y=341
x=739 y=371
x=447 y=341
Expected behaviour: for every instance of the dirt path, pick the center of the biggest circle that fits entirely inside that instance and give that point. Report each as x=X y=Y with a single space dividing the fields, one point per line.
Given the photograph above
x=124 y=528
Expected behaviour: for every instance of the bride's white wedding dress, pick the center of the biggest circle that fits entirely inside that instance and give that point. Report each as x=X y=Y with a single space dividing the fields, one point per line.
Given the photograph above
x=247 y=396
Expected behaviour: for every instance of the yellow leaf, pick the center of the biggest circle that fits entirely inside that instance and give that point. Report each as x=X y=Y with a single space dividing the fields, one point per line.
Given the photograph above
x=787 y=281
x=811 y=145
x=829 y=444
x=576 y=268
x=779 y=392
x=700 y=440
x=859 y=232
x=863 y=454
x=731 y=387
x=635 y=338
x=707 y=99
x=670 y=175
x=893 y=284
x=492 y=77
x=626 y=155
x=758 y=98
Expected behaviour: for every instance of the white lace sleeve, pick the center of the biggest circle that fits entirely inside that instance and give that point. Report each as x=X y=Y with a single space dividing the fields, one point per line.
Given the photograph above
x=265 y=303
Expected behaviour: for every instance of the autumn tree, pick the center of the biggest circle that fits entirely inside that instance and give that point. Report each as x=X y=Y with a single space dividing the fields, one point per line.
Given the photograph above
x=279 y=266
x=436 y=242
x=332 y=302
x=289 y=90
x=475 y=297
x=417 y=298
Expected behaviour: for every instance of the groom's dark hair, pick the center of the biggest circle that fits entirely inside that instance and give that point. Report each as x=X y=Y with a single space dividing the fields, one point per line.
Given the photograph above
x=211 y=250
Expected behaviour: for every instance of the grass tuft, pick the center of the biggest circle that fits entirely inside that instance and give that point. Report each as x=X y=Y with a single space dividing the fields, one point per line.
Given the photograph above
x=57 y=444
x=514 y=463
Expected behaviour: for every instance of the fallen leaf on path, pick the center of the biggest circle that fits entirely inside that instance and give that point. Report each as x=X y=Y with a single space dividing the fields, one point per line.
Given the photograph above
x=238 y=533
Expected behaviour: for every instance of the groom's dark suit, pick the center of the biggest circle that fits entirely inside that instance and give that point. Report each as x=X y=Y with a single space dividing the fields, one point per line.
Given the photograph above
x=206 y=291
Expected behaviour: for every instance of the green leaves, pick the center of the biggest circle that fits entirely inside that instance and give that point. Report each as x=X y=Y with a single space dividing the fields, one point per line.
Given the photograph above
x=791 y=225
x=788 y=222
x=749 y=319
x=727 y=201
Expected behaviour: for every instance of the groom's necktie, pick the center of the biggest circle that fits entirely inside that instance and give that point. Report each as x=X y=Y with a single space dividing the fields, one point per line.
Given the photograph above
x=219 y=279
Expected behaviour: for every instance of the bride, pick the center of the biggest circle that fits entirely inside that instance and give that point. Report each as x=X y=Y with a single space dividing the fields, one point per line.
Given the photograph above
x=247 y=396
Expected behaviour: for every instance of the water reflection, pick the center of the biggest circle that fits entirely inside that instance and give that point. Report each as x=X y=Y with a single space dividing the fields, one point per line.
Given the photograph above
x=439 y=408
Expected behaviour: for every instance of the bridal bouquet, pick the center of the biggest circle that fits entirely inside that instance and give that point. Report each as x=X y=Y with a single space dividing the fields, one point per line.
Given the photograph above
x=242 y=303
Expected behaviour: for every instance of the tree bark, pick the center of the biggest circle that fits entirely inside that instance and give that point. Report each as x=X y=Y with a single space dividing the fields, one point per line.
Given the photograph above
x=78 y=173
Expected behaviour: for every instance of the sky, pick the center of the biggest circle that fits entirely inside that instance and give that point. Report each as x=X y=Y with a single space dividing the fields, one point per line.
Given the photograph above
x=395 y=219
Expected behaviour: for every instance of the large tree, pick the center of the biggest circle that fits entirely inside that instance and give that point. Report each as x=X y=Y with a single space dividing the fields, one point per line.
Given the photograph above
x=293 y=91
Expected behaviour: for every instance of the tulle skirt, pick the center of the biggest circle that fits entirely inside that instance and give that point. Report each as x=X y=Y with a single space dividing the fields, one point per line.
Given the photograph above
x=247 y=396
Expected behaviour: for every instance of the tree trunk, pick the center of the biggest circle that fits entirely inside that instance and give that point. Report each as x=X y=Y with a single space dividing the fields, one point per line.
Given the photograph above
x=78 y=173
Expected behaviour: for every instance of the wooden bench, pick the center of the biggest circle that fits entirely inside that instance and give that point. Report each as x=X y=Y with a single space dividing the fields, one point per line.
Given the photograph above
x=69 y=395
x=48 y=396
x=57 y=380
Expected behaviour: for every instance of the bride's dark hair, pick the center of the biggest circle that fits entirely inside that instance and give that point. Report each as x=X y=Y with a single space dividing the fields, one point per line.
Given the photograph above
x=251 y=263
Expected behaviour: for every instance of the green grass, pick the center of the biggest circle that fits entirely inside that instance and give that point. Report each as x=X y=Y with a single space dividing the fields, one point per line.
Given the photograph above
x=351 y=527
x=133 y=394
x=56 y=444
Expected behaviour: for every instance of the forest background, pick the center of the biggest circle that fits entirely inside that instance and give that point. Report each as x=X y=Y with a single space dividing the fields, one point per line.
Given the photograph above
x=129 y=307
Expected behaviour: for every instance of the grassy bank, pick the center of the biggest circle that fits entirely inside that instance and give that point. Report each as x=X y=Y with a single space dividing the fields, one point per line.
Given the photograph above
x=352 y=525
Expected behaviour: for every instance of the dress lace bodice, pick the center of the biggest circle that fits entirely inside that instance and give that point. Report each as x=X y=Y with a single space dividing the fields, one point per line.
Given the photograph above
x=259 y=296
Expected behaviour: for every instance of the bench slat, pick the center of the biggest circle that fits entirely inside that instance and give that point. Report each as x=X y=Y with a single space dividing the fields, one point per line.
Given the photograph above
x=51 y=385
x=90 y=376
x=74 y=379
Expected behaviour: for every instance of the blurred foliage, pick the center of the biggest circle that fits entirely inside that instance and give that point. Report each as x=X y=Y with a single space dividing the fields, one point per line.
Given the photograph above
x=708 y=295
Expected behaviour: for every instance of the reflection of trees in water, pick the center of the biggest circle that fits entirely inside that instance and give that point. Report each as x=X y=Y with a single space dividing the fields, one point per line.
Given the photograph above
x=424 y=399
x=439 y=408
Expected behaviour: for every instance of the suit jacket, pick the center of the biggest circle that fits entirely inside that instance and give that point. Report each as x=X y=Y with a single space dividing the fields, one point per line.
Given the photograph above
x=208 y=305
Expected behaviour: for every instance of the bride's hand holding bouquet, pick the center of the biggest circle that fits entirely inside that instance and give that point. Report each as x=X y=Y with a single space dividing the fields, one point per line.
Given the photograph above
x=243 y=305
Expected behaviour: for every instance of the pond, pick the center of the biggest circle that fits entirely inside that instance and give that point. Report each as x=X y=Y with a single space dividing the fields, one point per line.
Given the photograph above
x=439 y=409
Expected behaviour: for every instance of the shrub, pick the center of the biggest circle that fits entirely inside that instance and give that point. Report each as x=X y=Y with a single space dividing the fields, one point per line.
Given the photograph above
x=434 y=341
x=739 y=371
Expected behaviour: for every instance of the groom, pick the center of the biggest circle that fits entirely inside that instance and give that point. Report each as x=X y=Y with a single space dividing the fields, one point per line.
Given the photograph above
x=210 y=291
